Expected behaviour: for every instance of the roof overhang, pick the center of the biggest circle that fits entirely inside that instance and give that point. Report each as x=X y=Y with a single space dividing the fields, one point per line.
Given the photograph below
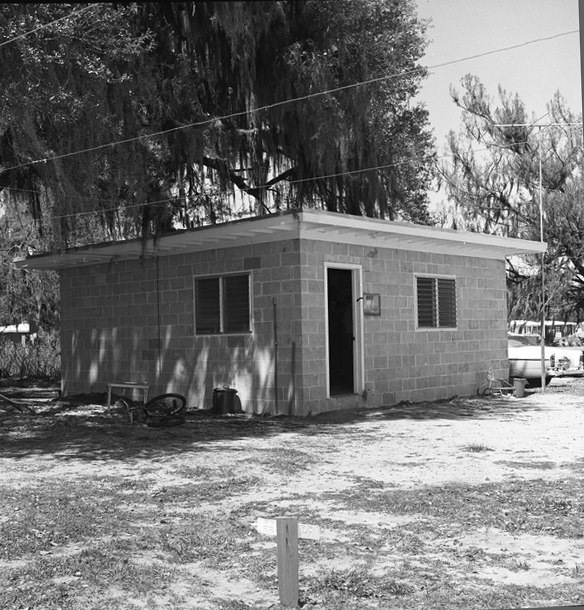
x=293 y=224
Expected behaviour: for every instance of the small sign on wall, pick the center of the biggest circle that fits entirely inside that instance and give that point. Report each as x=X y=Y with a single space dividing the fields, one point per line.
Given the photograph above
x=372 y=304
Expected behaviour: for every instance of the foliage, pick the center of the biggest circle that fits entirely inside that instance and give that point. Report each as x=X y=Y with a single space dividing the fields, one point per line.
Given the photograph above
x=493 y=186
x=38 y=359
x=26 y=295
x=194 y=93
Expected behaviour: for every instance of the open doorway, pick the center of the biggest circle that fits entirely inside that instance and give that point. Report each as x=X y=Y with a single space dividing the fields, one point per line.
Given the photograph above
x=342 y=333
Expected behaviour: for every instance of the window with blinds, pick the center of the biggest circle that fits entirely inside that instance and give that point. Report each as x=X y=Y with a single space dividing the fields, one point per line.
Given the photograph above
x=208 y=318
x=222 y=305
x=436 y=299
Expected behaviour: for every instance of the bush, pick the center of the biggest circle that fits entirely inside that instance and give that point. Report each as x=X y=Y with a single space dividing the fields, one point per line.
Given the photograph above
x=39 y=358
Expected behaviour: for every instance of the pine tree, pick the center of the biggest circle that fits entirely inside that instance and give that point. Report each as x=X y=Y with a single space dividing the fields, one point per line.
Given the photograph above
x=492 y=179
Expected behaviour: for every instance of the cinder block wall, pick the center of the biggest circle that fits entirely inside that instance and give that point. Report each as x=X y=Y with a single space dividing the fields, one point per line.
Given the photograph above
x=401 y=362
x=134 y=321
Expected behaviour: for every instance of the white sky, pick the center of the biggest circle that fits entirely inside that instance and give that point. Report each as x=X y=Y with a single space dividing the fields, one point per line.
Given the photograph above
x=464 y=28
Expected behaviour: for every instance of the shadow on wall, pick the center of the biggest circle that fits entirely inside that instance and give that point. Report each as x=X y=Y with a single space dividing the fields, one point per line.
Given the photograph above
x=216 y=363
x=170 y=363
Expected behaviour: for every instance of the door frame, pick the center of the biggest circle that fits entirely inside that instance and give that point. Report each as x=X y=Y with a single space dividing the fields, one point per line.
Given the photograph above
x=358 y=351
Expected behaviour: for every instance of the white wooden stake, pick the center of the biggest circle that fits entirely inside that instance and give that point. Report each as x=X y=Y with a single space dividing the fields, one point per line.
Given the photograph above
x=287 y=541
x=287 y=531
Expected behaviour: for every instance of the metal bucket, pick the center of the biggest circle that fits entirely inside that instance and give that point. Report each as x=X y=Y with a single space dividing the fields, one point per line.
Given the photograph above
x=224 y=400
x=519 y=385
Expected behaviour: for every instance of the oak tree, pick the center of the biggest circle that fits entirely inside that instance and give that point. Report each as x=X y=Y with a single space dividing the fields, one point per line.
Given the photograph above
x=128 y=119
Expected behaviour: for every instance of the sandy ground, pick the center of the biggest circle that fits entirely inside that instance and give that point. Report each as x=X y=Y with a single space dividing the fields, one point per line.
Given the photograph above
x=517 y=436
x=539 y=436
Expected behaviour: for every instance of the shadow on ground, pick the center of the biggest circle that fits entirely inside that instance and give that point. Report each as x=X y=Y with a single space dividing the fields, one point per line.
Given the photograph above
x=78 y=427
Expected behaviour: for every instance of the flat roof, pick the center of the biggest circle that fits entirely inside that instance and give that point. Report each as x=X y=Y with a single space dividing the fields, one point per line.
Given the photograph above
x=293 y=224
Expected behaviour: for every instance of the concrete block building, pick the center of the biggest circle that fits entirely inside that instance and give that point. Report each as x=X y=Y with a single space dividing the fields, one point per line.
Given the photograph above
x=302 y=312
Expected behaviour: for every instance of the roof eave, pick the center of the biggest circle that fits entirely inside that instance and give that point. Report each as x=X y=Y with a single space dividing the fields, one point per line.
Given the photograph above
x=307 y=224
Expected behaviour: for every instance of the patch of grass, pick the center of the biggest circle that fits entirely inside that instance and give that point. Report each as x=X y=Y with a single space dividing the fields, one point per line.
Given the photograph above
x=41 y=519
x=208 y=491
x=233 y=604
x=194 y=472
x=286 y=461
x=425 y=585
x=212 y=541
x=359 y=582
x=200 y=491
x=523 y=506
x=535 y=464
x=480 y=597
x=69 y=545
x=477 y=448
x=577 y=464
x=372 y=483
x=76 y=581
x=359 y=588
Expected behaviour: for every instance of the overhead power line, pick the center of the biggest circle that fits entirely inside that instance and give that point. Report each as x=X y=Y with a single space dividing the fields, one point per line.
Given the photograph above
x=284 y=102
x=299 y=181
x=116 y=203
x=46 y=25
x=503 y=49
x=259 y=109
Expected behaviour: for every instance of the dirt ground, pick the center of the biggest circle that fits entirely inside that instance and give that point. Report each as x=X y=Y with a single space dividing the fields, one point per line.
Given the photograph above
x=318 y=469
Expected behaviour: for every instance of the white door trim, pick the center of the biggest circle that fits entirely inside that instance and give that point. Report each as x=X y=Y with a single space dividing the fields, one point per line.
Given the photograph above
x=358 y=351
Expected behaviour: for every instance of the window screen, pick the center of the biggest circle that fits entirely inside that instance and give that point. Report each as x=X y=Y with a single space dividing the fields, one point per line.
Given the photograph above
x=436 y=302
x=222 y=305
x=236 y=304
x=446 y=303
x=208 y=318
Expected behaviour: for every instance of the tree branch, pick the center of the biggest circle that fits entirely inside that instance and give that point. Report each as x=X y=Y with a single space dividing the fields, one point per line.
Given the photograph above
x=222 y=167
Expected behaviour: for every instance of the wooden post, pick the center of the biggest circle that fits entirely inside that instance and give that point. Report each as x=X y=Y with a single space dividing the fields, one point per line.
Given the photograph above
x=581 y=19
x=287 y=540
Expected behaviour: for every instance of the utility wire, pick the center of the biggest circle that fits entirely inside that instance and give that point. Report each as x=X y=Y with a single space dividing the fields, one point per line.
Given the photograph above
x=121 y=209
x=283 y=102
x=266 y=107
x=300 y=180
x=46 y=25
x=116 y=206
x=502 y=49
x=176 y=199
